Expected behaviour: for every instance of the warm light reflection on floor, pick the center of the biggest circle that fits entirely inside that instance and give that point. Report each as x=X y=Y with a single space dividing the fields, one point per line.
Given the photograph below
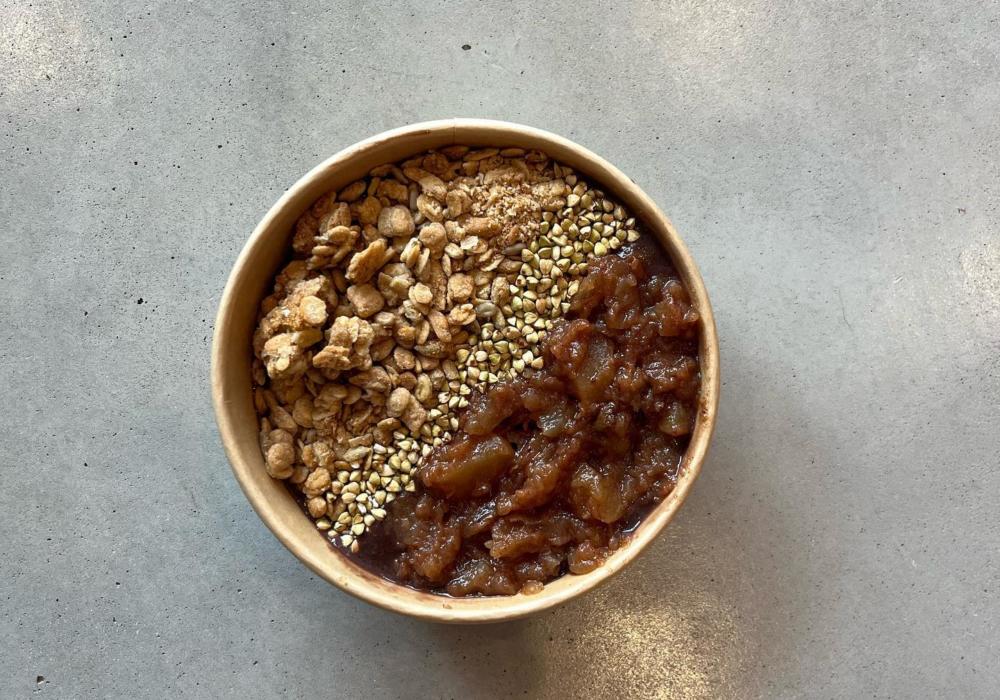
x=45 y=45
x=981 y=270
x=678 y=644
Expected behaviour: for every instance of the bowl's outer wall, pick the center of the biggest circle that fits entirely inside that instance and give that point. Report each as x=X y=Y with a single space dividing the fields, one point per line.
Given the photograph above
x=252 y=275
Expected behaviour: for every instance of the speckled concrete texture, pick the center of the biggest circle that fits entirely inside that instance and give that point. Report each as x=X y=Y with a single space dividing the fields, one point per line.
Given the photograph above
x=833 y=167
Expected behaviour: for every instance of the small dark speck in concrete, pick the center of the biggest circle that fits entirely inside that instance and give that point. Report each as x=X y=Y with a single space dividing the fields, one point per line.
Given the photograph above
x=139 y=300
x=466 y=47
x=39 y=679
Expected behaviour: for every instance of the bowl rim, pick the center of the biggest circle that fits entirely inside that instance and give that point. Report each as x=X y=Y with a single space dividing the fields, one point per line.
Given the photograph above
x=341 y=571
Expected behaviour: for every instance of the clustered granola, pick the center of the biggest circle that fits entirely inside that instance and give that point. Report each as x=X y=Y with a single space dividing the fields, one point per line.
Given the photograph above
x=407 y=291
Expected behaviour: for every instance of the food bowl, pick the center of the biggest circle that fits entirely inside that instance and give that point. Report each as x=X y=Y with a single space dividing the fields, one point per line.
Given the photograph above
x=250 y=280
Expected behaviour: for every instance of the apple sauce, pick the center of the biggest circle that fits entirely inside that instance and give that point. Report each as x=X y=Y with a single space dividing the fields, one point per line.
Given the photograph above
x=550 y=472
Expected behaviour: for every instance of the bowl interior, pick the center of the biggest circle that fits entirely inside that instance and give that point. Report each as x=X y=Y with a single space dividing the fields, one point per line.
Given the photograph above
x=250 y=280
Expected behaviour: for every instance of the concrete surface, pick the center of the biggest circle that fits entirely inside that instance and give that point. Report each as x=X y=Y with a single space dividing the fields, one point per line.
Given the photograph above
x=833 y=167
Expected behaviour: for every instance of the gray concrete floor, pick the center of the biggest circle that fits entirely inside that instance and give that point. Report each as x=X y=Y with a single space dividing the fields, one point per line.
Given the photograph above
x=833 y=167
